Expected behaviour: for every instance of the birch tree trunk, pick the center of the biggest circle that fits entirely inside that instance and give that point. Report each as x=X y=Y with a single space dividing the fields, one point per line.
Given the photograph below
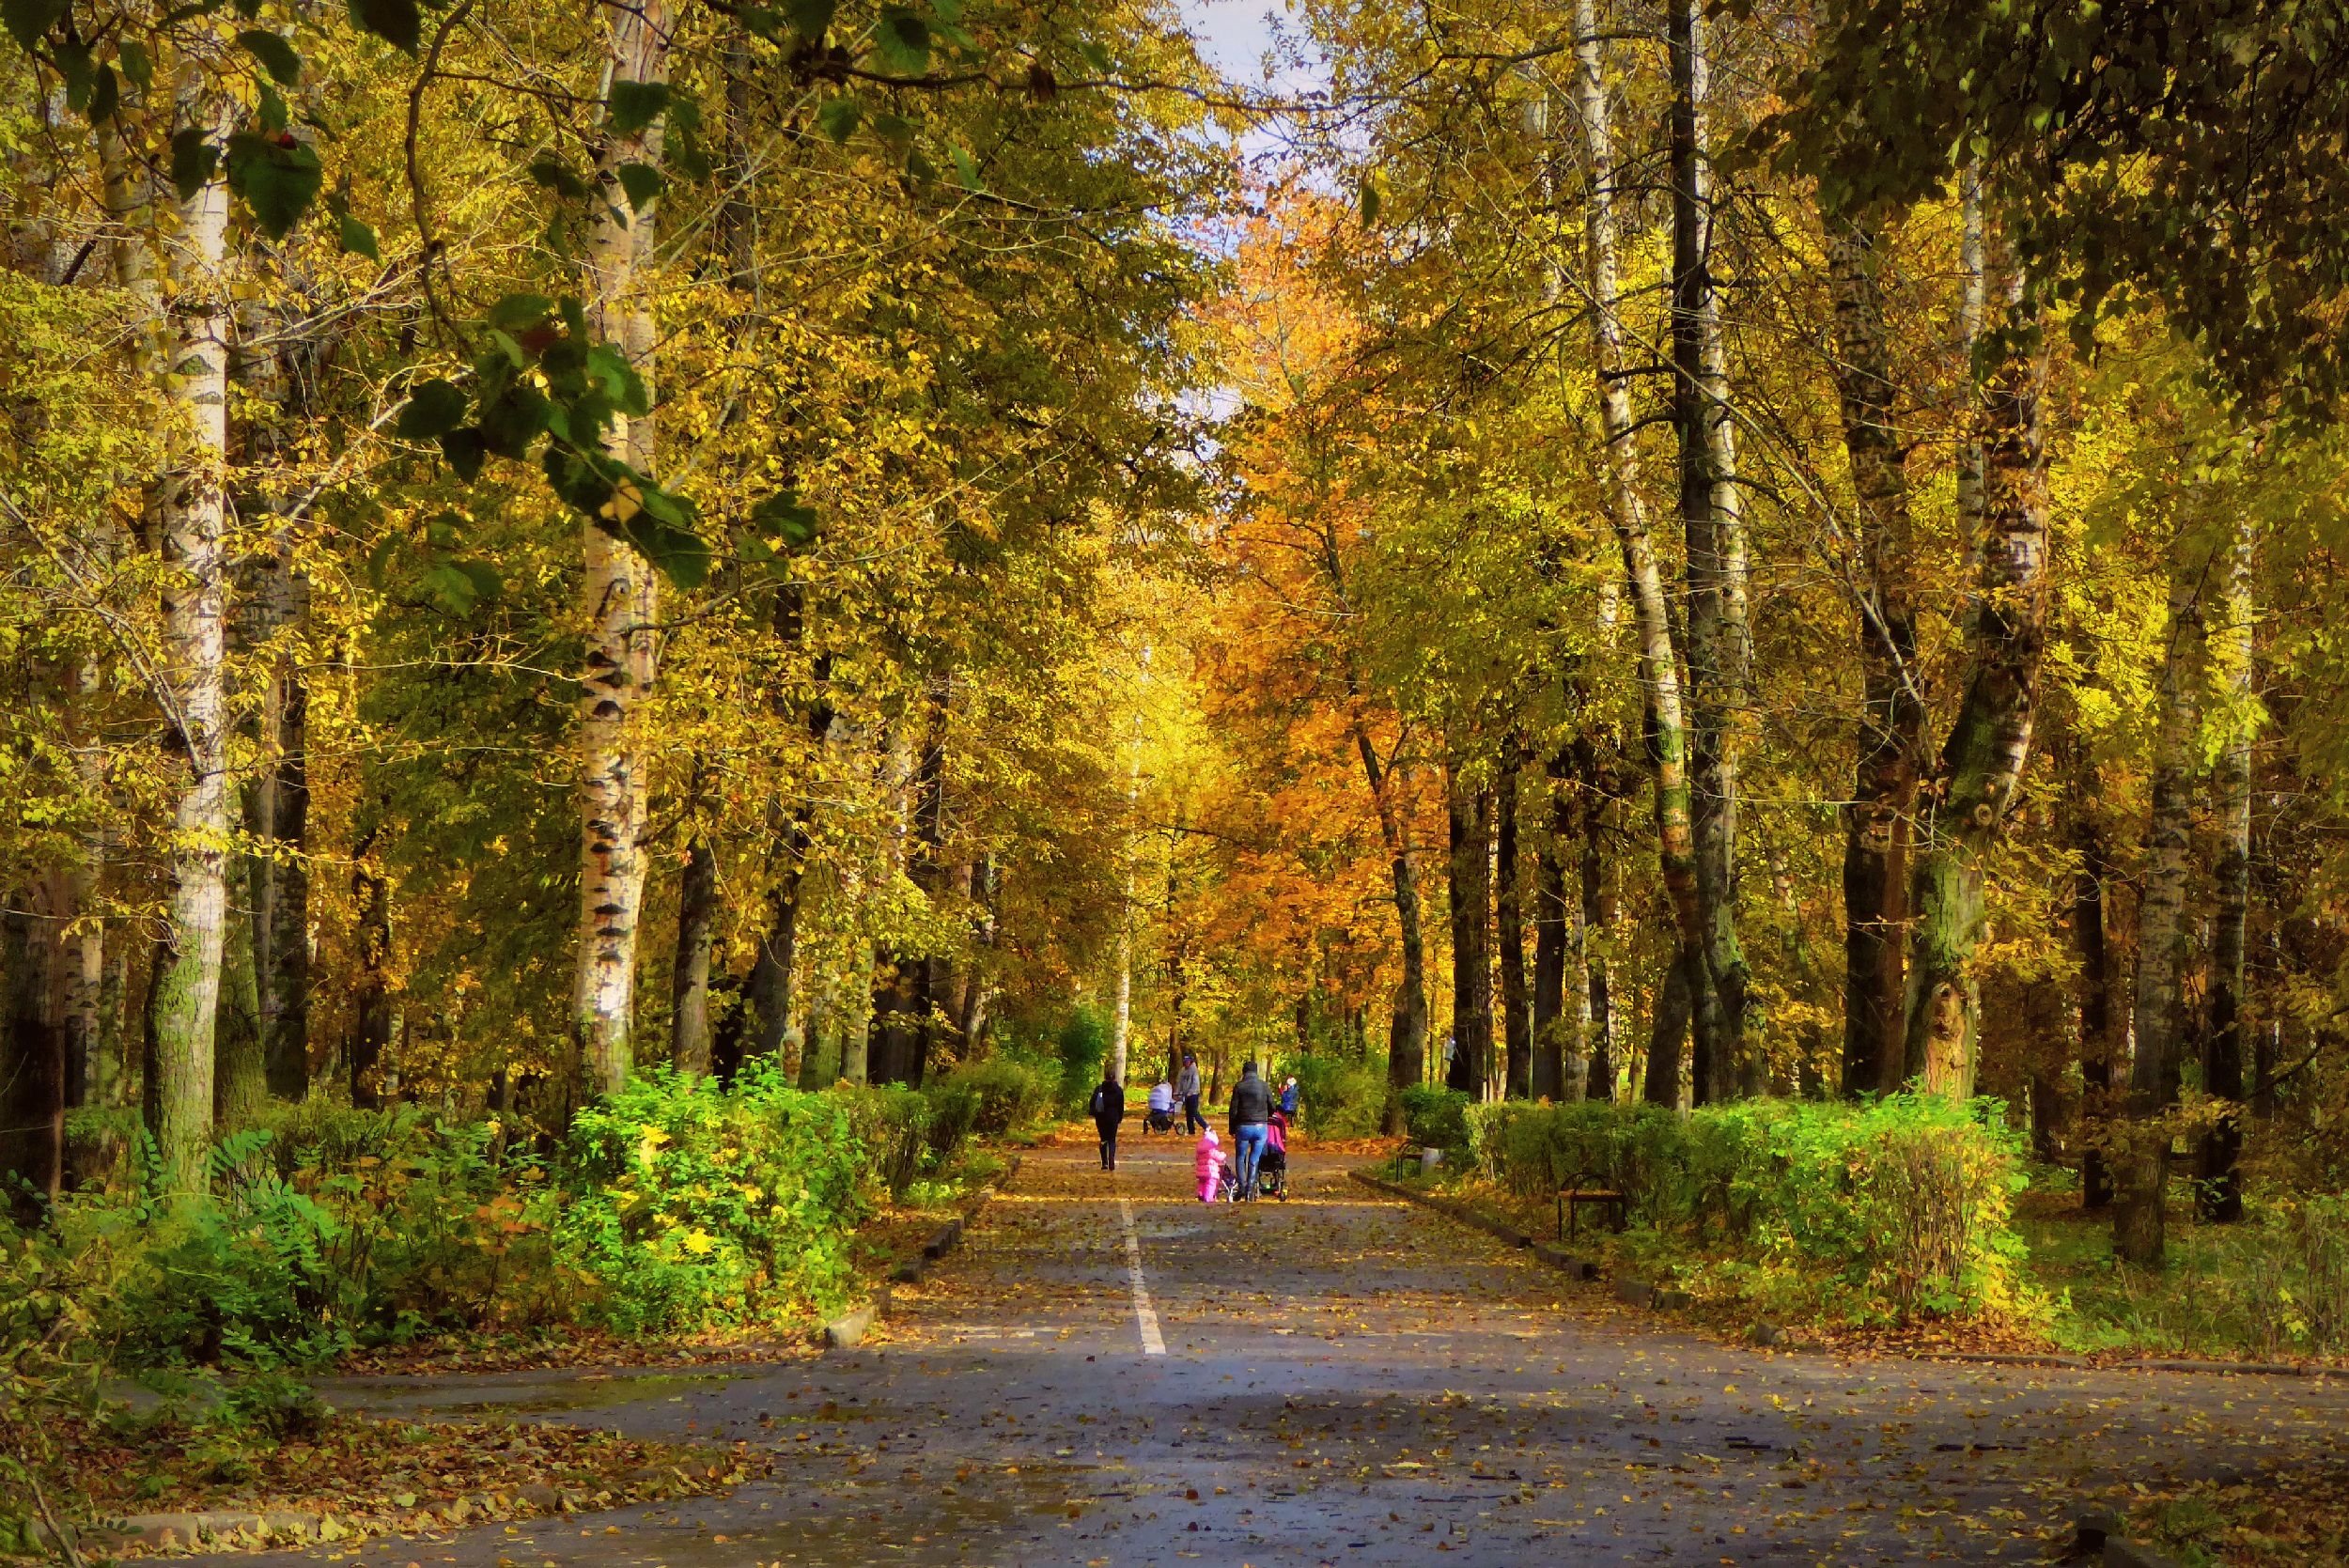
x=2141 y=1170
x=621 y=593
x=1877 y=825
x=1712 y=521
x=2220 y=1195
x=1982 y=762
x=192 y=517
x=1660 y=667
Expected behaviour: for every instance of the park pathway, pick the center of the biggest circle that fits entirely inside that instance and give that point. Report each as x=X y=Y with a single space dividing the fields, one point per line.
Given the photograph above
x=1344 y=1379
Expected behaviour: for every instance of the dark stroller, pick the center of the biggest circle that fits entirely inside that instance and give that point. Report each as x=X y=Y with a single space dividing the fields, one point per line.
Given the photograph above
x=1160 y=1121
x=1272 y=1174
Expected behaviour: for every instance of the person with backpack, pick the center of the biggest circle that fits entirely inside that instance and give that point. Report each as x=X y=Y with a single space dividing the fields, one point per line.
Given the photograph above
x=1108 y=1109
x=1251 y=1116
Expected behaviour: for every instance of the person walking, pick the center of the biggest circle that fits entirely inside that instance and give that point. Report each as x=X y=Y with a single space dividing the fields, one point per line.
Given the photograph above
x=1109 y=1111
x=1186 y=1090
x=1252 y=1115
x=1288 y=1098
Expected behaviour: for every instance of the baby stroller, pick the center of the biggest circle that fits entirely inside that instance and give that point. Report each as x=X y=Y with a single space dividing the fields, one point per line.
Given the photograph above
x=1272 y=1167
x=1227 y=1183
x=1272 y=1174
x=1161 y=1121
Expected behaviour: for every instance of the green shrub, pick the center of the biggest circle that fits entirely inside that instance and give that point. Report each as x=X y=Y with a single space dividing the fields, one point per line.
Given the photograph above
x=892 y=1125
x=1889 y=1208
x=689 y=1205
x=1012 y=1094
x=1436 y=1117
x=1336 y=1098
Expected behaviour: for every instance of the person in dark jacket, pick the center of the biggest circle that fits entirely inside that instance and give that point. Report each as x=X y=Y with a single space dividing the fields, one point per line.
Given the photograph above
x=1187 y=1091
x=1252 y=1115
x=1109 y=1111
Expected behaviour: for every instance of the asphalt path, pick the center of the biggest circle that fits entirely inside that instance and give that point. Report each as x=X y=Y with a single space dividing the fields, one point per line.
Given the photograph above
x=1109 y=1373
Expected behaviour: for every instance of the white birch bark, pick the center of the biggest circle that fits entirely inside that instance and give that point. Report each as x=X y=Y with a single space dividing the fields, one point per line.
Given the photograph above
x=190 y=516
x=621 y=594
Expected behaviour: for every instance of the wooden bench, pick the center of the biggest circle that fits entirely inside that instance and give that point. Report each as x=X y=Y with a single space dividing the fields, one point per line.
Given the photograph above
x=1573 y=1197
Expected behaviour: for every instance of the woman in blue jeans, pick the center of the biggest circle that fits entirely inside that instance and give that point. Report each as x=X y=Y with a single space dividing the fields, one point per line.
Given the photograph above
x=1251 y=1117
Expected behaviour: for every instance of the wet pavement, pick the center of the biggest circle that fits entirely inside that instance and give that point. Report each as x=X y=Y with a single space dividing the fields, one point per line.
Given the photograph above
x=1344 y=1379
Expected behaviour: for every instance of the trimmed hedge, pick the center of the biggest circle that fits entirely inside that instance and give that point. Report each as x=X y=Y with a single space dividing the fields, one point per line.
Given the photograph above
x=1892 y=1206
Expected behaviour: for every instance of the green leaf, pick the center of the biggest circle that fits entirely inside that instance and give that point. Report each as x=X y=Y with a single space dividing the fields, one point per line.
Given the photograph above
x=136 y=64
x=557 y=175
x=809 y=19
x=75 y=63
x=902 y=38
x=519 y=312
x=274 y=54
x=1371 y=202
x=277 y=177
x=792 y=522
x=895 y=129
x=634 y=105
x=512 y=420
x=450 y=588
x=967 y=169
x=642 y=182
x=839 y=116
x=396 y=21
x=27 y=21
x=464 y=449
x=357 y=238
x=193 y=160
x=270 y=112
x=675 y=553
x=105 y=96
x=684 y=151
x=619 y=379
x=1095 y=56
x=434 y=407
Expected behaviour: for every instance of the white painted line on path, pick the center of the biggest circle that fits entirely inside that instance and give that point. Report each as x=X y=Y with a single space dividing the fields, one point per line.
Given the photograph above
x=1152 y=1344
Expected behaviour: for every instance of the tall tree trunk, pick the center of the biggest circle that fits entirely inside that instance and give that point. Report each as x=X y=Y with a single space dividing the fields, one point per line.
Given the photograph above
x=1407 y=1036
x=192 y=515
x=774 y=968
x=2143 y=1170
x=372 y=1010
x=240 y=1055
x=282 y=890
x=622 y=593
x=1596 y=913
x=1713 y=522
x=2097 y=1044
x=1876 y=826
x=2221 y=1190
x=856 y=1012
x=1517 y=1028
x=1469 y=811
x=689 y=990
x=1675 y=1004
x=1660 y=666
x=1553 y=927
x=1982 y=762
x=32 y=1056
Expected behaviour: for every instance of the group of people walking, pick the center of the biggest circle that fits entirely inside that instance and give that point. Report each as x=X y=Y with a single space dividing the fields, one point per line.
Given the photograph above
x=1257 y=1117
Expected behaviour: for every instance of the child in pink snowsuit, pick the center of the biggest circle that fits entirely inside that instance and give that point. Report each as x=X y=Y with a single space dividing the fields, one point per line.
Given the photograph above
x=1208 y=1163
